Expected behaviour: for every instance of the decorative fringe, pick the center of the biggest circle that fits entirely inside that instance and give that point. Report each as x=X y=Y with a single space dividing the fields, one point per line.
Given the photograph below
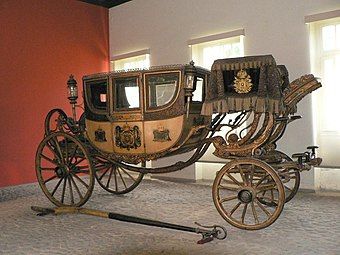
x=233 y=104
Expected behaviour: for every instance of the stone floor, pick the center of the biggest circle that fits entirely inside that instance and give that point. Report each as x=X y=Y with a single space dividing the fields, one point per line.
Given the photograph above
x=309 y=224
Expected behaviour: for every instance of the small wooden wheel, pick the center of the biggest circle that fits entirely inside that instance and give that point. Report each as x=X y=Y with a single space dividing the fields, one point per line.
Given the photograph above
x=237 y=193
x=64 y=170
x=55 y=121
x=115 y=179
x=290 y=178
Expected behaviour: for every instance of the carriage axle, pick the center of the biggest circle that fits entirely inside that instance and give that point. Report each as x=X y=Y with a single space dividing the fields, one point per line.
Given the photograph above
x=208 y=233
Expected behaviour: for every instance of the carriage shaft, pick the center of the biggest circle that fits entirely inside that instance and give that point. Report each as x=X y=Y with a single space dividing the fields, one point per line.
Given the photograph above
x=207 y=235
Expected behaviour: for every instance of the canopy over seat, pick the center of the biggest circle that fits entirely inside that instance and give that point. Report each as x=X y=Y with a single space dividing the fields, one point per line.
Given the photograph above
x=246 y=83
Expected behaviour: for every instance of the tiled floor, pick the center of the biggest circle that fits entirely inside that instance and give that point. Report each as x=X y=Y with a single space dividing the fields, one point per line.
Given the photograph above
x=309 y=224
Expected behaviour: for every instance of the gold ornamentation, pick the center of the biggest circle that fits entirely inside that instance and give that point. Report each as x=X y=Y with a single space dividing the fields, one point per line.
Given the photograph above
x=127 y=137
x=242 y=82
x=161 y=134
x=99 y=135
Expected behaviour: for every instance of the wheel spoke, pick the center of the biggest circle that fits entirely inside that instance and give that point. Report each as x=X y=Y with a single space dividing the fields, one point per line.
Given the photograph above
x=115 y=175
x=272 y=195
x=54 y=153
x=222 y=200
x=66 y=151
x=76 y=186
x=73 y=154
x=267 y=186
x=242 y=175
x=48 y=159
x=244 y=212
x=262 y=207
x=254 y=212
x=233 y=179
x=252 y=171
x=71 y=190
x=47 y=169
x=109 y=179
x=79 y=179
x=63 y=193
x=50 y=179
x=227 y=188
x=78 y=162
x=101 y=177
x=235 y=208
x=121 y=177
x=127 y=173
x=56 y=186
x=261 y=180
x=286 y=187
x=59 y=149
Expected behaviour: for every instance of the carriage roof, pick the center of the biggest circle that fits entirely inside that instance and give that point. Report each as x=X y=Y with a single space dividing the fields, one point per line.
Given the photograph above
x=160 y=68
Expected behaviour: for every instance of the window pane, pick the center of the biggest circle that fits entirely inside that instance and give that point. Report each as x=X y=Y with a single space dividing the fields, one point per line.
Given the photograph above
x=127 y=93
x=325 y=37
x=161 y=88
x=98 y=92
x=204 y=54
x=328 y=37
x=197 y=94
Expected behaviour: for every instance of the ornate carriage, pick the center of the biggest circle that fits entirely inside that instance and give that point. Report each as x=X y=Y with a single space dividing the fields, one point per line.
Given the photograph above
x=140 y=115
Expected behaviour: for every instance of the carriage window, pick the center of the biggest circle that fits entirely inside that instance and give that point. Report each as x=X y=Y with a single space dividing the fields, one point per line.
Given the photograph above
x=98 y=90
x=161 y=88
x=127 y=93
x=197 y=94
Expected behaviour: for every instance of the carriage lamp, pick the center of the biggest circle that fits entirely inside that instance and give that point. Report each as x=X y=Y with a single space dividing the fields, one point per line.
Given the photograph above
x=72 y=91
x=190 y=85
x=190 y=73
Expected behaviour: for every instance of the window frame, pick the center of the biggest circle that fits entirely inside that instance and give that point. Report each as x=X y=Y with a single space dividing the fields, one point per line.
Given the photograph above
x=88 y=95
x=147 y=93
x=322 y=134
x=113 y=86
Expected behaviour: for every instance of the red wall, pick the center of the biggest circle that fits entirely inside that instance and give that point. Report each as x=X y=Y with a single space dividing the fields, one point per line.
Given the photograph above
x=42 y=42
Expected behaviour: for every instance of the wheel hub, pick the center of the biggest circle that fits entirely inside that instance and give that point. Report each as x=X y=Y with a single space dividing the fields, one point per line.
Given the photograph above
x=60 y=171
x=245 y=196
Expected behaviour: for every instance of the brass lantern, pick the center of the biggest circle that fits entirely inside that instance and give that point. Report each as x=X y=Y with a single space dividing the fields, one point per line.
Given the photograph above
x=190 y=84
x=72 y=94
x=72 y=90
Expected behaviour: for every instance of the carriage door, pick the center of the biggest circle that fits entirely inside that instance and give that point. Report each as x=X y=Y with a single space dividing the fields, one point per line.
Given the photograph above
x=127 y=114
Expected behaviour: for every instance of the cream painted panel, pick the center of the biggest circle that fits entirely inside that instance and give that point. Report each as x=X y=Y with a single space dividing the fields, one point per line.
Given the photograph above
x=173 y=125
x=92 y=126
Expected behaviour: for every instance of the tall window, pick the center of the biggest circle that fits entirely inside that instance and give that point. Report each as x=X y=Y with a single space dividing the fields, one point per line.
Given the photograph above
x=207 y=49
x=325 y=63
x=132 y=60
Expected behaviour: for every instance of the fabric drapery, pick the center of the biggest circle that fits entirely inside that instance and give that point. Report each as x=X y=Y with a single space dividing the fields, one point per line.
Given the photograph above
x=265 y=94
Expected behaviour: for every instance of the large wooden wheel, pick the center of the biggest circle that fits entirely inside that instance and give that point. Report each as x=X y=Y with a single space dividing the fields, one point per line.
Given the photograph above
x=64 y=170
x=115 y=179
x=238 y=191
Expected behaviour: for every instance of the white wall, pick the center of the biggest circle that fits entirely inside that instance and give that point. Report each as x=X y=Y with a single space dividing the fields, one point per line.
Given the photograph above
x=271 y=27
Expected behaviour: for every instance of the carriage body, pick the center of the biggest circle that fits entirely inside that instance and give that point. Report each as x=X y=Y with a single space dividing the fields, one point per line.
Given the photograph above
x=145 y=114
x=139 y=115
